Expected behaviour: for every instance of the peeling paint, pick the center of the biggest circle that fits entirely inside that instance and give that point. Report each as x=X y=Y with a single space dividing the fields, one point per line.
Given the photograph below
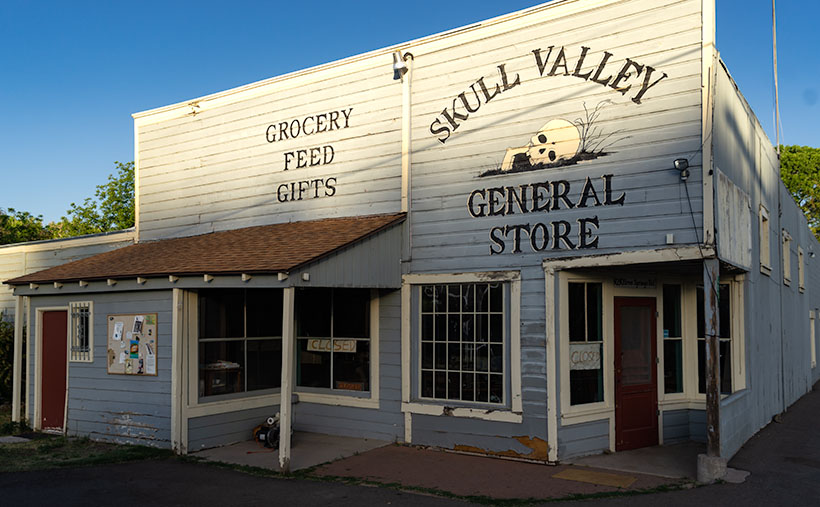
x=538 y=449
x=125 y=421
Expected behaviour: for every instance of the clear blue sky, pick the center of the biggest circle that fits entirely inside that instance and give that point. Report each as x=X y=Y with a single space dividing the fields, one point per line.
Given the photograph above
x=72 y=72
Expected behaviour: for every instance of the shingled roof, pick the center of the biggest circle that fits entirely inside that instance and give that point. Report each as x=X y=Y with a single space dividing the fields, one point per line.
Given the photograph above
x=263 y=249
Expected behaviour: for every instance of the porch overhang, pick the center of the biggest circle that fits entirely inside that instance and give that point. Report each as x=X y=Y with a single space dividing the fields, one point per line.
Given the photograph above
x=362 y=251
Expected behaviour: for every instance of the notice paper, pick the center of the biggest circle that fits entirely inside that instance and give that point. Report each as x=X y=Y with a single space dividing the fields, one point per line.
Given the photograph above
x=118 y=331
x=138 y=321
x=150 y=360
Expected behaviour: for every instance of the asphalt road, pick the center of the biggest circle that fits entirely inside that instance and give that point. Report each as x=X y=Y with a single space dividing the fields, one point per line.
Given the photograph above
x=172 y=483
x=784 y=461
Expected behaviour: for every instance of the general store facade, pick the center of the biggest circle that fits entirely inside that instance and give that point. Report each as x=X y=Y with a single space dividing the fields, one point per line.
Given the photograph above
x=494 y=239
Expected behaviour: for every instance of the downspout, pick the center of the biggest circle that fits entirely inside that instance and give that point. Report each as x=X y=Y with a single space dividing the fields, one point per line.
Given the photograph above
x=406 y=147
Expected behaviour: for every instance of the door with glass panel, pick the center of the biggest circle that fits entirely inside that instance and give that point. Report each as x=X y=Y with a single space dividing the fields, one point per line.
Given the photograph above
x=636 y=388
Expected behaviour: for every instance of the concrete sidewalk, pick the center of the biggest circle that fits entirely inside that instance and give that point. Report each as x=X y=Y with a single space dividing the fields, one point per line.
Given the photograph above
x=465 y=475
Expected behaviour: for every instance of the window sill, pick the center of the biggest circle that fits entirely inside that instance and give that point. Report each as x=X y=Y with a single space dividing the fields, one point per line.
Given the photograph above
x=682 y=404
x=337 y=400
x=231 y=405
x=486 y=414
x=766 y=270
x=582 y=414
x=733 y=398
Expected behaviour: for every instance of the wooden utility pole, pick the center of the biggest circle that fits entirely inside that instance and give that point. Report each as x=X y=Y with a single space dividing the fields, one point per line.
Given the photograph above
x=711 y=286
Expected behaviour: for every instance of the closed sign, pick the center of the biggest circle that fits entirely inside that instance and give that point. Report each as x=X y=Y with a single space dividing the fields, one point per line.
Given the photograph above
x=317 y=345
x=584 y=356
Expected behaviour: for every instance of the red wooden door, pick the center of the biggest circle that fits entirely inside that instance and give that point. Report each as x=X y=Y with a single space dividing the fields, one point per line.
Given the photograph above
x=636 y=384
x=54 y=347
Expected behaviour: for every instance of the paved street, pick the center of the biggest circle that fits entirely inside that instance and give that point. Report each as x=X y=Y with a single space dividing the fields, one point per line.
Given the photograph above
x=784 y=461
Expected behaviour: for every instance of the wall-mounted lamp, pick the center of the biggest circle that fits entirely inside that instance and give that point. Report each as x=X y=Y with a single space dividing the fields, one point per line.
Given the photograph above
x=399 y=65
x=682 y=165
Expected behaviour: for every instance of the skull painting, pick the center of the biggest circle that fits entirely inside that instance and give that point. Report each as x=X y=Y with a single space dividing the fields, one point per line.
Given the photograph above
x=557 y=140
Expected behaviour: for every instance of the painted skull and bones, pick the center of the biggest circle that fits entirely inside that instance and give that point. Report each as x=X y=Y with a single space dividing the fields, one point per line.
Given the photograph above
x=557 y=140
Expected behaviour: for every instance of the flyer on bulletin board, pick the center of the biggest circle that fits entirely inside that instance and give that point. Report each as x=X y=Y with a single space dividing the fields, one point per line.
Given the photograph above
x=132 y=344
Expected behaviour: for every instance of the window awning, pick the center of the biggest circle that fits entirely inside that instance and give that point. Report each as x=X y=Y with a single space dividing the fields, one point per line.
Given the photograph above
x=267 y=249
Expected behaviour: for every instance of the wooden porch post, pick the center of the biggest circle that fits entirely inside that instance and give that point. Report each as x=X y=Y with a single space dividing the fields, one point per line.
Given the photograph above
x=17 y=375
x=286 y=391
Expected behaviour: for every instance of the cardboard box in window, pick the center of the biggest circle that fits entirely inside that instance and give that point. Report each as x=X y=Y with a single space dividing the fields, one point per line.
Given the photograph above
x=350 y=386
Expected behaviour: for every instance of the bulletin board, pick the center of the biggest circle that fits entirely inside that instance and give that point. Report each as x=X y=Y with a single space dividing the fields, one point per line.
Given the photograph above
x=132 y=344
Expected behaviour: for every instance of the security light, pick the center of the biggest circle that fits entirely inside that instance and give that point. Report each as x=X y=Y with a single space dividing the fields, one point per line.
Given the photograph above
x=399 y=67
x=682 y=165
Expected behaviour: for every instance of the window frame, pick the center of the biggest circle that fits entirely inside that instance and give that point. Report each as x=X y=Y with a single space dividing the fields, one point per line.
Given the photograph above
x=600 y=410
x=801 y=270
x=412 y=403
x=419 y=388
x=86 y=356
x=765 y=248
x=787 y=257
x=339 y=397
x=198 y=340
x=737 y=339
x=812 y=339
x=586 y=340
x=663 y=395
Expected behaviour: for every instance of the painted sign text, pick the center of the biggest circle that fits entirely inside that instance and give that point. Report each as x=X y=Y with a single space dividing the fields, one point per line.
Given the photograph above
x=553 y=61
x=543 y=197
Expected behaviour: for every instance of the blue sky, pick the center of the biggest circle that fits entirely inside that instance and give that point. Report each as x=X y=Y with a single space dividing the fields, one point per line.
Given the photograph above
x=71 y=73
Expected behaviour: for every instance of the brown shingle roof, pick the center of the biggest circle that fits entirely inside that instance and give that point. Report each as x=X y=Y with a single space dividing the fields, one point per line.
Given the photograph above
x=262 y=249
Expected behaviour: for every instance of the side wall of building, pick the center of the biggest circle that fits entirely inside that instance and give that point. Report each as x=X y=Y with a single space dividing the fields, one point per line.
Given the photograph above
x=777 y=310
x=22 y=259
x=117 y=408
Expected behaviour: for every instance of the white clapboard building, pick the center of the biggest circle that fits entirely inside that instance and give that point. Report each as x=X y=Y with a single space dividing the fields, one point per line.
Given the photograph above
x=543 y=235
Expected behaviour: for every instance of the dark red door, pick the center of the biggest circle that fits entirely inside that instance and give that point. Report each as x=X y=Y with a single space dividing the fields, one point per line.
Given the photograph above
x=636 y=385
x=55 y=344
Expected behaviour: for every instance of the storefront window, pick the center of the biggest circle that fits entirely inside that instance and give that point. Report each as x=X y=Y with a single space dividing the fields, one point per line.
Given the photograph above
x=333 y=339
x=463 y=342
x=672 y=340
x=240 y=340
x=724 y=340
x=586 y=343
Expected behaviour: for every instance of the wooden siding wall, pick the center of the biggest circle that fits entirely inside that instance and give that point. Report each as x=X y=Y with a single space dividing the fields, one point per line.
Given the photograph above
x=206 y=166
x=118 y=408
x=584 y=438
x=647 y=137
x=778 y=356
x=387 y=422
x=22 y=259
x=650 y=136
x=215 y=170
x=226 y=428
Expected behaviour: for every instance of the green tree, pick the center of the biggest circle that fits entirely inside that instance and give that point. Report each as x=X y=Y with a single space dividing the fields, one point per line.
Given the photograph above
x=800 y=171
x=111 y=209
x=18 y=226
x=7 y=357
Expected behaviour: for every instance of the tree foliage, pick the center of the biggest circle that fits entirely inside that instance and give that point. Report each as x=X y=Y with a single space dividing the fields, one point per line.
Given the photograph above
x=18 y=226
x=7 y=357
x=111 y=209
x=800 y=171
